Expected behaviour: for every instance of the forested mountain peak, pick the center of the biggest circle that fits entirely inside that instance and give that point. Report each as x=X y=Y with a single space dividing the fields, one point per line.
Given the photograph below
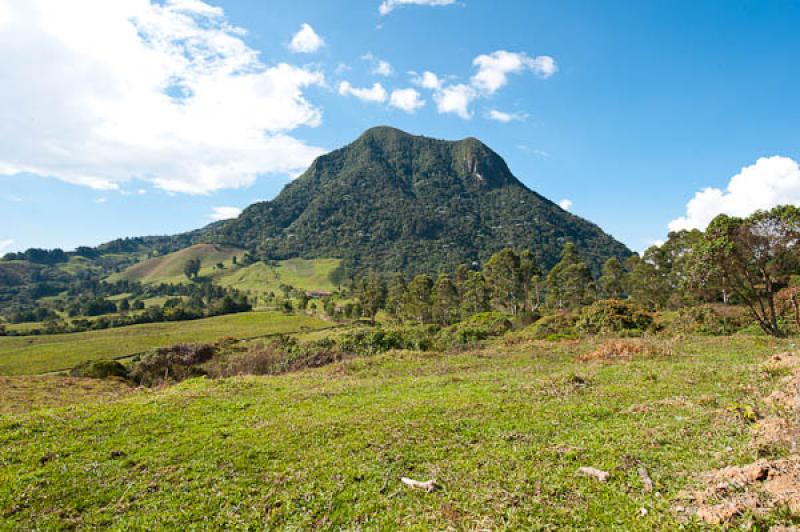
x=396 y=201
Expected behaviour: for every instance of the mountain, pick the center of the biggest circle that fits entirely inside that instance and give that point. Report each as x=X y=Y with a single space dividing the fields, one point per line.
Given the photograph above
x=399 y=202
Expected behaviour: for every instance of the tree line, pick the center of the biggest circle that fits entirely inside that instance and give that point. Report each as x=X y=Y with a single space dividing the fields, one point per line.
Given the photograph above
x=752 y=261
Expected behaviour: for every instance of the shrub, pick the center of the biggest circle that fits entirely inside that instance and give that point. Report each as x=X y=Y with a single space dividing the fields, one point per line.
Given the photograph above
x=553 y=327
x=612 y=316
x=474 y=329
x=710 y=320
x=99 y=369
x=171 y=364
x=378 y=340
x=279 y=356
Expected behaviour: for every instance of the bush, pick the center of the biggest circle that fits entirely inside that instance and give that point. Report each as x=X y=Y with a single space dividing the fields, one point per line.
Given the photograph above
x=553 y=327
x=279 y=356
x=710 y=320
x=171 y=364
x=612 y=316
x=474 y=329
x=378 y=340
x=99 y=369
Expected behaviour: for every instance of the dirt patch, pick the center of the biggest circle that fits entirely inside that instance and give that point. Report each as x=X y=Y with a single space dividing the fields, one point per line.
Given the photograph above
x=766 y=484
x=623 y=350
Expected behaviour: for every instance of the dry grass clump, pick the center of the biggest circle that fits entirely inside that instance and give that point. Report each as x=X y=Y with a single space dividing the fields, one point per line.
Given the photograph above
x=627 y=349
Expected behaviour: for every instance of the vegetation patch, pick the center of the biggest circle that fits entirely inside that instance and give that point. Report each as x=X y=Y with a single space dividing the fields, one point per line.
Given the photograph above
x=627 y=349
x=21 y=355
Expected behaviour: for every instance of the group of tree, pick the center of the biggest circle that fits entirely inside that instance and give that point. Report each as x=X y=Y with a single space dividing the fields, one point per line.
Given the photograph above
x=752 y=261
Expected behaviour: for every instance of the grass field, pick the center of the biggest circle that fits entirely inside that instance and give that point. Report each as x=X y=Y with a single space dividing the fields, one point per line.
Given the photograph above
x=502 y=430
x=305 y=274
x=40 y=354
x=169 y=268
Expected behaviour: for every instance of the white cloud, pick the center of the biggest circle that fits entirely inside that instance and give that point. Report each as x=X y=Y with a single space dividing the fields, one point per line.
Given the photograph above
x=387 y=6
x=494 y=68
x=565 y=204
x=101 y=200
x=164 y=92
x=408 y=100
x=502 y=116
x=379 y=66
x=426 y=80
x=492 y=74
x=5 y=245
x=224 y=213
x=383 y=68
x=306 y=40
x=455 y=99
x=769 y=182
x=376 y=93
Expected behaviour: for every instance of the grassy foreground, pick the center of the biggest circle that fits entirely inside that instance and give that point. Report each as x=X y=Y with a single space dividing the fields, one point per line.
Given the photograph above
x=502 y=430
x=30 y=355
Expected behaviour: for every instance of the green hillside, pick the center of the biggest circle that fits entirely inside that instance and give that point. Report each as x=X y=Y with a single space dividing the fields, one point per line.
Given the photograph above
x=312 y=274
x=169 y=268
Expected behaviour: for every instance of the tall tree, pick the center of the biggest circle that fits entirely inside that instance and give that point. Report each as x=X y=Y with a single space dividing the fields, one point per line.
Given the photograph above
x=372 y=294
x=756 y=257
x=417 y=301
x=395 y=295
x=568 y=281
x=530 y=277
x=445 y=301
x=610 y=282
x=475 y=295
x=504 y=279
x=192 y=268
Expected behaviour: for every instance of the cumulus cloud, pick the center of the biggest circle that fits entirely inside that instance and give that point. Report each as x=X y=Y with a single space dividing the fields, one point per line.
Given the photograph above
x=769 y=182
x=492 y=74
x=167 y=92
x=565 y=204
x=494 y=68
x=5 y=245
x=387 y=6
x=224 y=213
x=502 y=116
x=379 y=66
x=455 y=99
x=426 y=80
x=306 y=40
x=376 y=93
x=408 y=100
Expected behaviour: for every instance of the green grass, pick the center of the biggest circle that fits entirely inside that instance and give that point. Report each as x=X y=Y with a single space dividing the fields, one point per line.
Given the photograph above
x=169 y=268
x=305 y=274
x=40 y=354
x=502 y=430
x=24 y=393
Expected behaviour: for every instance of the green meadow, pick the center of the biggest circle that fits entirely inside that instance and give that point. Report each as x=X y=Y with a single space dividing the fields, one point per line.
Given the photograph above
x=502 y=430
x=47 y=353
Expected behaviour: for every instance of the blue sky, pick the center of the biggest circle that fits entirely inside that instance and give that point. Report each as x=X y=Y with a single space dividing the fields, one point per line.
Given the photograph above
x=645 y=105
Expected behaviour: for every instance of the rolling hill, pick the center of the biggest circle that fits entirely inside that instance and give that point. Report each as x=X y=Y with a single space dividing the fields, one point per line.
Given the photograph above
x=169 y=268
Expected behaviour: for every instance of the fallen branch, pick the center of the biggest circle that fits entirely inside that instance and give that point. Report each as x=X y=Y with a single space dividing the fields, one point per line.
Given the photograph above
x=428 y=486
x=596 y=474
